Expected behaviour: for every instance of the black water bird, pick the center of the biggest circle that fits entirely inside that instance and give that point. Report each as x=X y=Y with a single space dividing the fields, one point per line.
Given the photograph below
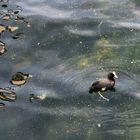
x=20 y=78
x=104 y=85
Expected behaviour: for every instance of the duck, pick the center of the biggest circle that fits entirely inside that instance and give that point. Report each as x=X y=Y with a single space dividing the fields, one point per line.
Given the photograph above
x=20 y=78
x=104 y=85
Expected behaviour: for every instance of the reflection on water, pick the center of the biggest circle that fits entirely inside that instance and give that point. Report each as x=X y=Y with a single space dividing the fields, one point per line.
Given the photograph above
x=69 y=45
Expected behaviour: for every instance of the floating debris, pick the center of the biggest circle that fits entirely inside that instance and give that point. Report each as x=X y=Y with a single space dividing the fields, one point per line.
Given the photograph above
x=31 y=97
x=2 y=48
x=40 y=97
x=16 y=12
x=4 y=5
x=6 y=17
x=19 y=18
x=28 y=24
x=12 y=28
x=19 y=8
x=4 y=0
x=20 y=78
x=7 y=95
x=17 y=35
x=99 y=125
x=2 y=28
x=2 y=105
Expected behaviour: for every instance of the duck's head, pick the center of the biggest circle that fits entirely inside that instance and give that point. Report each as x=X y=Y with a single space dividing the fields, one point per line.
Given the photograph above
x=112 y=75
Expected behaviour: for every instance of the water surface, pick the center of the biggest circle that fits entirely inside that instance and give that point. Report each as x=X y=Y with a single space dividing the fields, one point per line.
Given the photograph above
x=68 y=46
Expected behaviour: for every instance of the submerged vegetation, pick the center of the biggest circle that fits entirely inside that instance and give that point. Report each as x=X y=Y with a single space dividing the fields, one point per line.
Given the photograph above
x=105 y=52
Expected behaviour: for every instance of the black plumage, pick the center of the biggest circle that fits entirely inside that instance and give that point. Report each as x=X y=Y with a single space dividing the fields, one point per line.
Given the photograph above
x=104 y=84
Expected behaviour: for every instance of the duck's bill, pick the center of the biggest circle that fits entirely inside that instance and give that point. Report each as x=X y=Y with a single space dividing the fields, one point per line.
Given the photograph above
x=115 y=75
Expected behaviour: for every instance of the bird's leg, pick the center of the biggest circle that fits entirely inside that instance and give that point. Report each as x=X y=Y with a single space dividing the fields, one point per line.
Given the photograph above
x=102 y=96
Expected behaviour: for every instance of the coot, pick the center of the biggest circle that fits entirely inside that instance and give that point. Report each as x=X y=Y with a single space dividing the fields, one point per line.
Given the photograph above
x=104 y=84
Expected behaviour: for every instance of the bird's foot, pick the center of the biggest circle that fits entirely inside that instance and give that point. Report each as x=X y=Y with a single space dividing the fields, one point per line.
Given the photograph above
x=103 y=96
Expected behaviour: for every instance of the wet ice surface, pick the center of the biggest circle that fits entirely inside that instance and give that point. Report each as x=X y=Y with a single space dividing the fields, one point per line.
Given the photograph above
x=69 y=45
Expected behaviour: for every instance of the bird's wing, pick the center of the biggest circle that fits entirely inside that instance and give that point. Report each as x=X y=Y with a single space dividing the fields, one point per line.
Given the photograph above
x=95 y=83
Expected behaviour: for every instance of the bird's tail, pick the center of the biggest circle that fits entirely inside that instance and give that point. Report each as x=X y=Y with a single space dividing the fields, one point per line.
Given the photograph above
x=91 y=90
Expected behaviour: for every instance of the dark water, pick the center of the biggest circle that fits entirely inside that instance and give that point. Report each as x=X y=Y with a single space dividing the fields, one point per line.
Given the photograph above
x=71 y=43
